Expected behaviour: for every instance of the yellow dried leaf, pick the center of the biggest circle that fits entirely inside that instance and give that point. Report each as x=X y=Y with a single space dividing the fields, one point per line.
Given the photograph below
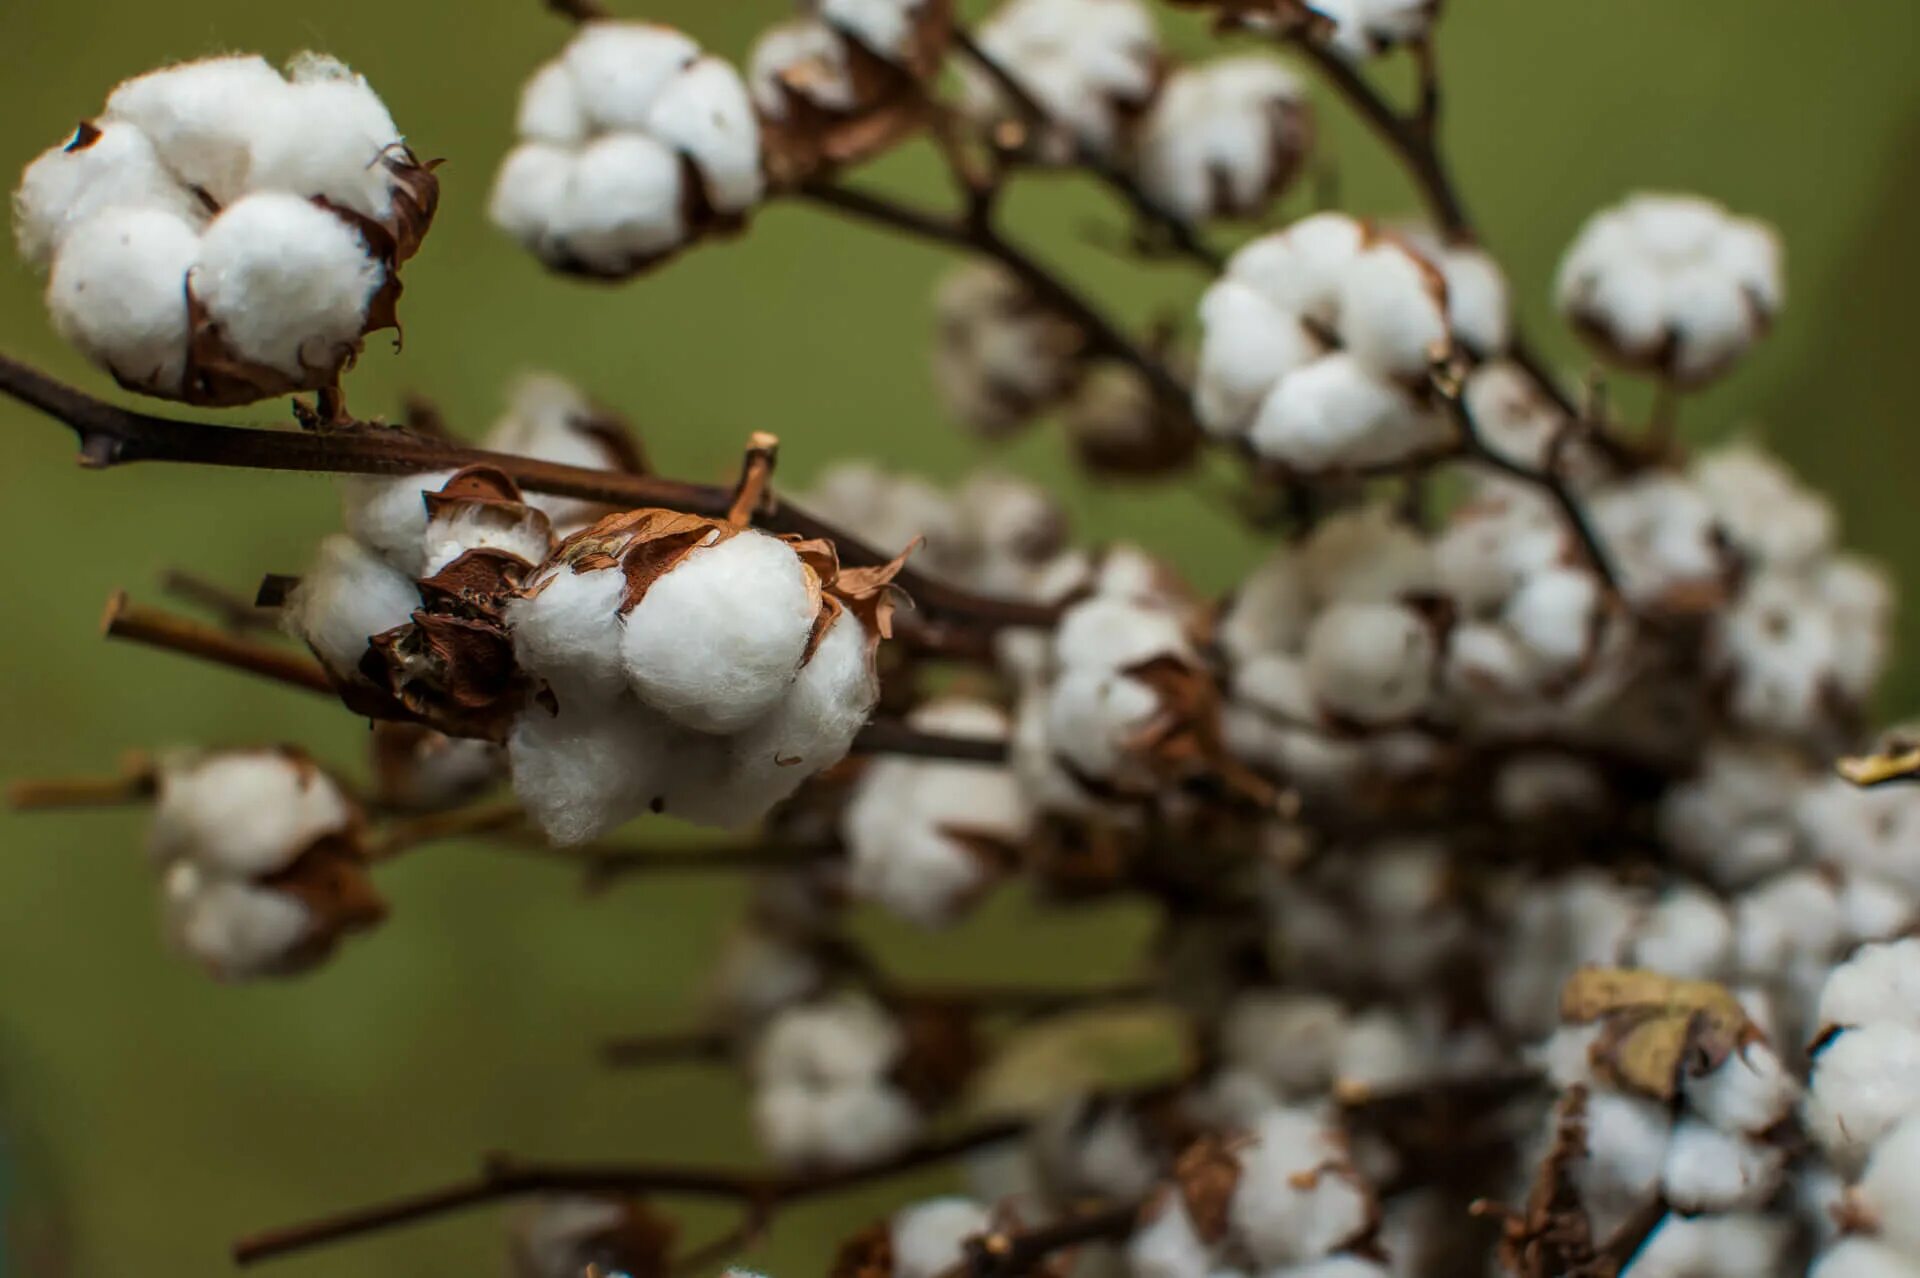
x=1654 y=1027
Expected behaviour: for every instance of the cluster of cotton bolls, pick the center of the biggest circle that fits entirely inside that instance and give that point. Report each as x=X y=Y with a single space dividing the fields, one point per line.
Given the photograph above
x=565 y=1236
x=632 y=144
x=261 y=860
x=1091 y=64
x=999 y=356
x=825 y=1088
x=222 y=232
x=1368 y=28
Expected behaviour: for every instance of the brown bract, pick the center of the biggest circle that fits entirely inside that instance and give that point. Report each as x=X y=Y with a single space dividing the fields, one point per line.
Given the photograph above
x=638 y=1243
x=868 y=1254
x=1206 y=1173
x=1654 y=1028
x=941 y=1054
x=1552 y=1236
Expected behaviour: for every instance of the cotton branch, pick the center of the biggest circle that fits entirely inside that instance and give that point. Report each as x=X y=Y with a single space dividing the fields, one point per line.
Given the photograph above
x=113 y=436
x=235 y=612
x=158 y=628
x=133 y=784
x=502 y=1178
x=1014 y=1255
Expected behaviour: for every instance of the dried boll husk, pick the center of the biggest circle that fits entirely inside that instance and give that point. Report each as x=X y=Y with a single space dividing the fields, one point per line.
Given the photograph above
x=1656 y=1030
x=567 y=1237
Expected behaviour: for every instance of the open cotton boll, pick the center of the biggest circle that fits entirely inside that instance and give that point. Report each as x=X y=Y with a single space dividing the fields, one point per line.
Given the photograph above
x=389 y=515
x=347 y=597
x=1735 y=818
x=1247 y=345
x=116 y=168
x=716 y=640
x=1168 y=1245
x=529 y=197
x=1890 y=1186
x=1734 y=1245
x=1269 y=611
x=118 y=292
x=1871 y=831
x=1710 y=1170
x=234 y=930
x=1366 y=554
x=1393 y=311
x=1298 y=1197
x=1879 y=982
x=1088 y=62
x=620 y=69
x=566 y=629
x=1089 y=1148
x=929 y=1237
x=1366 y=28
x=1107 y=633
x=1864 y=1258
x=850 y=1125
x=1373 y=663
x=802 y=57
x=1479 y=307
x=623 y=203
x=244 y=812
x=882 y=27
x=204 y=118
x=550 y=108
x=1792 y=916
x=1687 y=933
x=1626 y=1152
x=704 y=114
x=1554 y=615
x=1094 y=716
x=451 y=534
x=1303 y=268
x=1865 y=1081
x=1337 y=412
x=1766 y=512
x=1289 y=1039
x=1223 y=138
x=326 y=135
x=588 y=768
x=287 y=282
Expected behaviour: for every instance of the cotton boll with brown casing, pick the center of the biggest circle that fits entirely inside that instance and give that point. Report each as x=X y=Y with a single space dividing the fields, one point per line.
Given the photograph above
x=344 y=599
x=118 y=292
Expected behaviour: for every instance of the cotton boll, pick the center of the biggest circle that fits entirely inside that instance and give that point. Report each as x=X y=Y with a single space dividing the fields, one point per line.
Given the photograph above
x=1247 y=345
x=588 y=768
x=1088 y=1149
x=814 y=724
x=1479 y=309
x=622 y=205
x=1890 y=1187
x=1687 y=933
x=347 y=597
x=1373 y=663
x=1863 y=831
x=1767 y=513
x=802 y=58
x=1872 y=909
x=1367 y=28
x=1298 y=1196
x=715 y=641
x=1795 y=915
x=844 y=1039
x=1278 y=687
x=705 y=115
x=1336 y=412
x=1105 y=633
x=1168 y=1246
x=1223 y=138
x=929 y=1237
x=118 y=292
x=68 y=184
x=1735 y=1245
x=620 y=69
x=1864 y=1083
x=389 y=515
x=288 y=283
x=844 y=1127
x=249 y=813
x=203 y=118
x=1366 y=555
x=527 y=536
x=529 y=197
x=1627 y=1142
x=567 y=630
x=1393 y=312
x=1379 y=1050
x=1734 y=819
x=326 y=137
x=1088 y=62
x=1555 y=615
x=1093 y=717
x=1710 y=1170
x=1864 y=1258
x=236 y=931
x=1878 y=982
x=1288 y=1039
x=550 y=108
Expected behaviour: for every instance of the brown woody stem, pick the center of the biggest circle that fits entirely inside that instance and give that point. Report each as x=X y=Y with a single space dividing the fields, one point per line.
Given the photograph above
x=135 y=784
x=763 y=450
x=1016 y=1255
x=479 y=818
x=160 y=629
x=114 y=436
x=234 y=611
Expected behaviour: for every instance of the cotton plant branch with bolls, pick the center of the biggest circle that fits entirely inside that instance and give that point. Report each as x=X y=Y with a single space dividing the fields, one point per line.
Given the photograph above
x=1509 y=909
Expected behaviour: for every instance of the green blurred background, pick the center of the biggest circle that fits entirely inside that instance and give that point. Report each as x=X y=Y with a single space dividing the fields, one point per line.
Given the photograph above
x=168 y=1114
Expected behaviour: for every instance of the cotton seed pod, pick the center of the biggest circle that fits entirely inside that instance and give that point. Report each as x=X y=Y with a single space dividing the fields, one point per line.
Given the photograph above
x=1224 y=138
x=1672 y=284
x=222 y=234
x=1120 y=426
x=999 y=356
x=633 y=143
x=1094 y=65
x=845 y=81
x=563 y=1237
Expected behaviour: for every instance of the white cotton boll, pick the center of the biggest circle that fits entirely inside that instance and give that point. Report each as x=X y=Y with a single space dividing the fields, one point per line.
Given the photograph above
x=1555 y=616
x=1223 y=137
x=287 y=282
x=1479 y=309
x=588 y=768
x=1794 y=915
x=118 y=292
x=845 y=1039
x=1085 y=61
x=1379 y=1051
x=249 y=813
x=803 y=57
x=528 y=537
x=844 y=1126
x=1277 y=686
x=1288 y=1039
x=1298 y=1197
x=1767 y=513
x=1872 y=909
x=1687 y=933
x=567 y=630
x=1735 y=1245
x=1780 y=648
x=1710 y=1170
x=1712 y=323
x=1168 y=1246
x=1342 y=1265
x=812 y=726
x=1889 y=1188
x=622 y=204
x=1269 y=612
x=1860 y=596
x=1365 y=28
x=1566 y=1057
x=1087 y=1149
x=389 y=515
x=1879 y=982
x=70 y=183
x=547 y=418
x=620 y=68
x=1864 y=1258
x=1336 y=412
x=1093 y=717
x=705 y=115
x=326 y=136
x=1734 y=819
x=1373 y=663
x=1393 y=312
x=1303 y=268
x=203 y=117
x=530 y=194
x=1105 y=633
x=1874 y=831
x=929 y=1237
x=715 y=642
x=348 y=596
x=1864 y=1082
x=236 y=931
x=550 y=108
x=1247 y=345
x=1626 y=1149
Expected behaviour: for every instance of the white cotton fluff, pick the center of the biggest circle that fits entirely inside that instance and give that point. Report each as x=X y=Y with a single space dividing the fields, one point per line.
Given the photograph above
x=326 y=135
x=1767 y=513
x=1865 y=1081
x=345 y=598
x=1662 y=536
x=528 y=536
x=1889 y=1188
x=1393 y=311
x=1298 y=1197
x=1555 y=616
x=1879 y=982
x=287 y=282
x=929 y=1238
x=1168 y=1246
x=118 y=292
x=550 y=108
x=589 y=767
x=882 y=27
x=1339 y=412
x=1249 y=345
x=1289 y=1039
x=1875 y=831
x=999 y=356
x=529 y=196
x=1088 y=62
x=1791 y=916
x=621 y=203
x=566 y=630
x=388 y=515
x=1734 y=1245
x=1779 y=649
x=1865 y=1258
x=1734 y=818
x=245 y=813
x=1371 y=662
x=620 y=69
x=1675 y=281
x=1366 y=28
x=1366 y=554
x=1710 y=1170
x=845 y=1039
x=1686 y=933
x=546 y=418
x=1107 y=633
x=1093 y=719
x=844 y=1126
x=1089 y=1149
x=802 y=57
x=1223 y=138
x=716 y=640
x=70 y=183
x=704 y=114
x=1379 y=1050
x=1269 y=610
x=1626 y=1151
x=1479 y=307
x=549 y=1235
x=235 y=930
x=204 y=118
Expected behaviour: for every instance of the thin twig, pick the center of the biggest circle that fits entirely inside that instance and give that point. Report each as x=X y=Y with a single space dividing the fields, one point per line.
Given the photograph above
x=763 y=451
x=235 y=612
x=645 y=1051
x=160 y=629
x=456 y=823
x=894 y=736
x=579 y=10
x=113 y=436
x=1018 y=1254
x=134 y=784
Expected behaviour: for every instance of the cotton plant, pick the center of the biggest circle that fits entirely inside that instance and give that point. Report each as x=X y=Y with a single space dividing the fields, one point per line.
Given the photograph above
x=1499 y=904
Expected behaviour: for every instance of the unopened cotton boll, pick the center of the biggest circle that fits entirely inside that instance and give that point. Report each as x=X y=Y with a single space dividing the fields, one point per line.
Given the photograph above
x=1090 y=63
x=104 y=167
x=929 y=1237
x=716 y=640
x=1372 y=663
x=1298 y=1197
x=249 y=813
x=1865 y=1081
x=288 y=283
x=118 y=292
x=1224 y=138
x=348 y=596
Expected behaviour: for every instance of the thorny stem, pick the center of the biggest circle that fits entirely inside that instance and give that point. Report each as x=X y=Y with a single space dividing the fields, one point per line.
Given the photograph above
x=234 y=611
x=502 y=1178
x=112 y=436
x=160 y=629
